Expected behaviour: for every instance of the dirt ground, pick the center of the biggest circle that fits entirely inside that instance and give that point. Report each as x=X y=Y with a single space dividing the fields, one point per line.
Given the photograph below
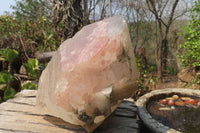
x=170 y=81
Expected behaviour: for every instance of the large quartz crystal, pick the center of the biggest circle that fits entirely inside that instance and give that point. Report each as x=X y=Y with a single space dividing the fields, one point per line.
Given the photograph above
x=89 y=74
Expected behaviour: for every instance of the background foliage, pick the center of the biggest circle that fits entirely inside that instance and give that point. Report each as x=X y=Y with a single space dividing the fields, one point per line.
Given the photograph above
x=190 y=55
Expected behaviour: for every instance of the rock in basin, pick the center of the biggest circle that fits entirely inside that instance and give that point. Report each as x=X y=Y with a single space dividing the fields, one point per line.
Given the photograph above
x=89 y=74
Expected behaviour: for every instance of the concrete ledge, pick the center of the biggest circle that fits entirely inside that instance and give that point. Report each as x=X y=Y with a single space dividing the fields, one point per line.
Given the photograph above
x=20 y=115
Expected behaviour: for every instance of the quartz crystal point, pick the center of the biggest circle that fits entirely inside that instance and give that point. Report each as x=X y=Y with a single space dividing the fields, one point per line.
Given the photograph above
x=90 y=74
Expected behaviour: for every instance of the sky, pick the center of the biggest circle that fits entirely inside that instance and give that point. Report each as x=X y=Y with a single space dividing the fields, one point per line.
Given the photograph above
x=5 y=6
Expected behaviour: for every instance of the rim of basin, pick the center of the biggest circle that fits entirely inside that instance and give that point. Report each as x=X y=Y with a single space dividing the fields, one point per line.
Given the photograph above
x=145 y=116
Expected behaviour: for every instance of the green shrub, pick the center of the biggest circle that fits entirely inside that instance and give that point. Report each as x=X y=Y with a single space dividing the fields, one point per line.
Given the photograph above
x=190 y=55
x=29 y=86
x=32 y=68
x=9 y=93
x=146 y=78
x=5 y=79
x=8 y=55
x=28 y=36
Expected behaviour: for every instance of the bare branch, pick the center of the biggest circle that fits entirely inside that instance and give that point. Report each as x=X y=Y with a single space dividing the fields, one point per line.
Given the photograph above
x=164 y=6
x=185 y=11
x=23 y=47
x=154 y=11
x=172 y=13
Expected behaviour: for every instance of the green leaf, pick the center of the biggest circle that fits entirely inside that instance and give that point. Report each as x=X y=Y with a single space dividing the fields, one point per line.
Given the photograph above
x=32 y=68
x=5 y=78
x=31 y=65
x=50 y=36
x=9 y=54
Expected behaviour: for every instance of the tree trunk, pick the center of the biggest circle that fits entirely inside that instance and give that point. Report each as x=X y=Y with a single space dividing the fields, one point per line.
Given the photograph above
x=110 y=8
x=164 y=55
x=69 y=13
x=85 y=13
x=163 y=47
x=103 y=10
x=74 y=19
x=162 y=59
x=94 y=14
x=159 y=65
